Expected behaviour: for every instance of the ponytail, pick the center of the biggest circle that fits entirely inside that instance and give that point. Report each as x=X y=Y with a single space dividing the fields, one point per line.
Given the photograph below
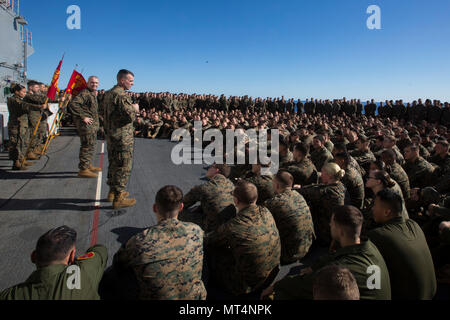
x=340 y=174
x=16 y=87
x=334 y=170
x=385 y=178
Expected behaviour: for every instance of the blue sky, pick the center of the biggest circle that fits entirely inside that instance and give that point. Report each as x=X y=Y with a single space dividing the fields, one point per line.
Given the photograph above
x=298 y=49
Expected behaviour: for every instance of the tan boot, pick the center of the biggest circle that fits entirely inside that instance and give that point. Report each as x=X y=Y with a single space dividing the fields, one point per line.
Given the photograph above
x=18 y=166
x=94 y=169
x=32 y=156
x=120 y=201
x=86 y=173
x=37 y=150
x=111 y=196
x=27 y=163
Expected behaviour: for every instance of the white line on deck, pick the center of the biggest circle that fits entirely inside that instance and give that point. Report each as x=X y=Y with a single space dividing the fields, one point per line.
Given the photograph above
x=99 y=182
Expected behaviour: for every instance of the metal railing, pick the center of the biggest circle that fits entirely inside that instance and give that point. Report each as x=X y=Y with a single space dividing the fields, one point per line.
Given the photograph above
x=26 y=35
x=29 y=38
x=12 y=5
x=2 y=138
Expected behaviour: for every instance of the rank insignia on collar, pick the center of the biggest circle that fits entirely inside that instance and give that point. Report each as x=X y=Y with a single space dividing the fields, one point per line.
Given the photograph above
x=86 y=256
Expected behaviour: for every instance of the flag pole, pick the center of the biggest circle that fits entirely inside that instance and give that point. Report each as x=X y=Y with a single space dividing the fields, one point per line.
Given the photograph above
x=34 y=134
x=57 y=119
x=54 y=88
x=62 y=107
x=50 y=133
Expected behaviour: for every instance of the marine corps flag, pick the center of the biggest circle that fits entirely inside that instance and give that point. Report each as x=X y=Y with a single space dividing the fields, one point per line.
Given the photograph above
x=54 y=86
x=76 y=84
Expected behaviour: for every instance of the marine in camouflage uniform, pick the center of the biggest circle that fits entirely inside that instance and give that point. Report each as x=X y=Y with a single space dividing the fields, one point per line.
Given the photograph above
x=245 y=250
x=286 y=158
x=369 y=222
x=424 y=152
x=399 y=175
x=119 y=116
x=224 y=105
x=85 y=105
x=364 y=158
x=33 y=117
x=215 y=199
x=183 y=124
x=355 y=165
x=167 y=104
x=398 y=154
x=420 y=173
x=294 y=223
x=264 y=185
x=154 y=126
x=304 y=171
x=320 y=157
x=322 y=198
x=168 y=127
x=167 y=260
x=441 y=175
x=329 y=145
x=43 y=125
x=354 y=184
x=18 y=129
x=443 y=163
x=240 y=171
x=370 y=109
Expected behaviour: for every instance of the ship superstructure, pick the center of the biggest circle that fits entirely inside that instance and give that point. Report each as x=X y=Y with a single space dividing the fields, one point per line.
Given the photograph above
x=16 y=46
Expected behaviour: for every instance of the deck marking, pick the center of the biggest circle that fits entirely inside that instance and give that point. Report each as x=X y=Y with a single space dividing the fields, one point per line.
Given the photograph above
x=94 y=232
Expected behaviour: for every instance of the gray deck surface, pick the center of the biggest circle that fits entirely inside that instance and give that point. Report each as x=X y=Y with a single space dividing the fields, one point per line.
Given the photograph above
x=50 y=194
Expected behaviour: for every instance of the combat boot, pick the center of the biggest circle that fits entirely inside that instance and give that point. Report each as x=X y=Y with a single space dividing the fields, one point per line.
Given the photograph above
x=32 y=156
x=94 y=169
x=39 y=149
x=18 y=166
x=111 y=195
x=120 y=201
x=86 y=173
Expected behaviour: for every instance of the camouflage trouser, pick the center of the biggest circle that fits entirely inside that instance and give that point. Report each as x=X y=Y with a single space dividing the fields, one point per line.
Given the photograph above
x=119 y=169
x=18 y=142
x=43 y=129
x=37 y=140
x=88 y=142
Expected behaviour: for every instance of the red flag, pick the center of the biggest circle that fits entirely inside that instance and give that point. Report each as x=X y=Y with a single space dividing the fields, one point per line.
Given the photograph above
x=54 y=86
x=76 y=84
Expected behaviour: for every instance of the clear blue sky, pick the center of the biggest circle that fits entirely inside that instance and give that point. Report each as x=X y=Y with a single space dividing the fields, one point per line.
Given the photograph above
x=295 y=48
